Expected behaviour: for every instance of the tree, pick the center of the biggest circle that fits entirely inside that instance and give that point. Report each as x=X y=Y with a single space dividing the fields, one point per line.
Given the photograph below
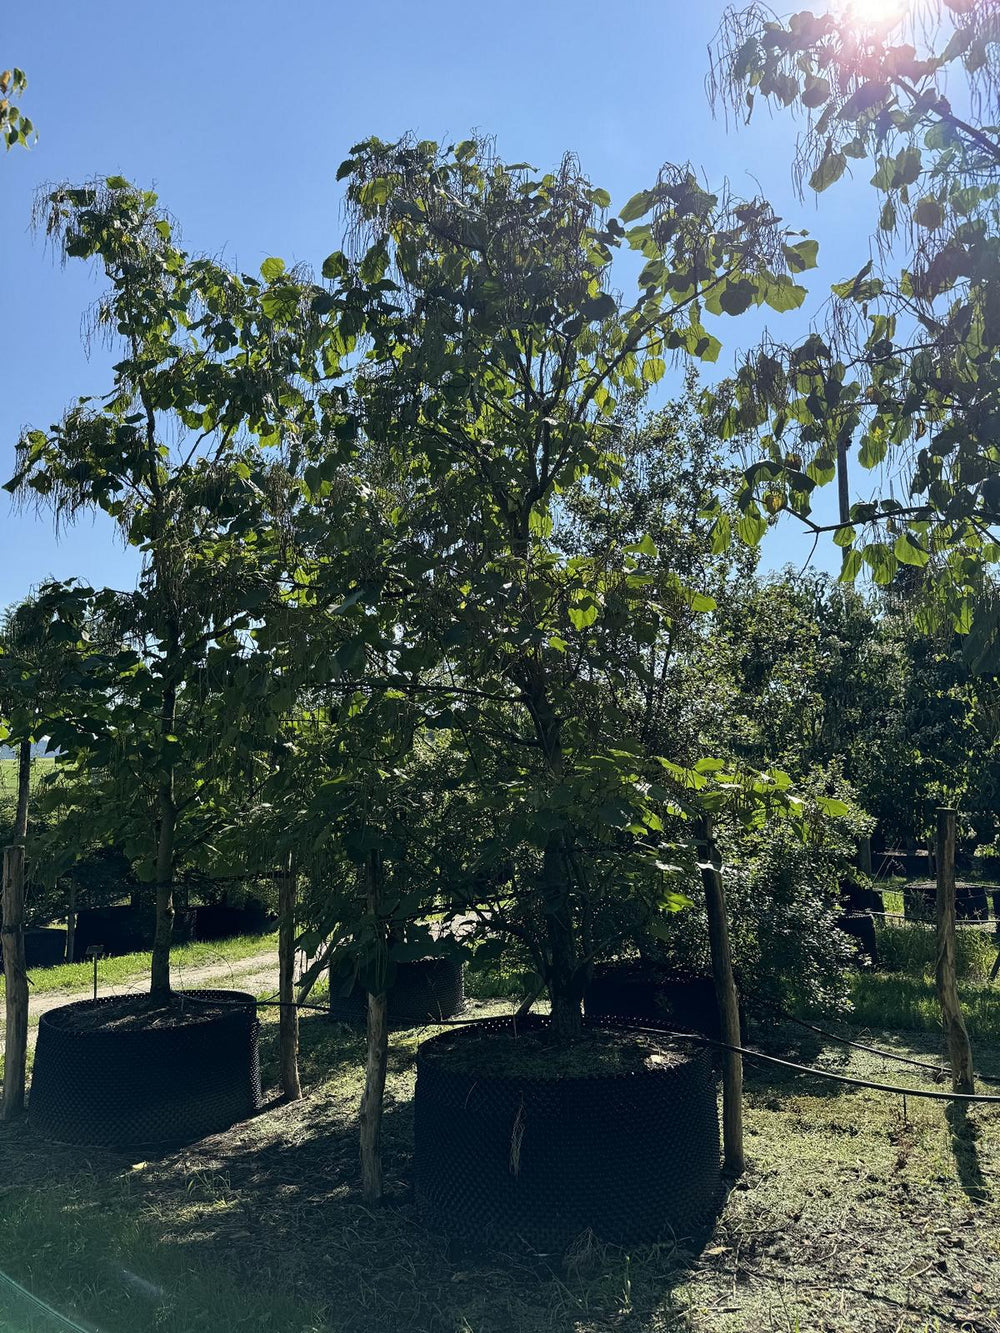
x=39 y=669
x=229 y=365
x=15 y=127
x=496 y=361
x=905 y=374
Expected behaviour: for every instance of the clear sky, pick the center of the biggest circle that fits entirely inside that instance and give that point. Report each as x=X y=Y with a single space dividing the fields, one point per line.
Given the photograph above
x=238 y=114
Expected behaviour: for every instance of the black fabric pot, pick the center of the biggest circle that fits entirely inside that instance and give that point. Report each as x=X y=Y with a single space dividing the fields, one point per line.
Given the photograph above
x=918 y=901
x=971 y=903
x=121 y=930
x=422 y=991
x=146 y=1087
x=514 y=1160
x=861 y=928
x=218 y=921
x=44 y=946
x=649 y=990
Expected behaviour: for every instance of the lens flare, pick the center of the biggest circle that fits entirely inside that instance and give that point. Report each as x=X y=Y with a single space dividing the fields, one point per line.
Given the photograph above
x=881 y=12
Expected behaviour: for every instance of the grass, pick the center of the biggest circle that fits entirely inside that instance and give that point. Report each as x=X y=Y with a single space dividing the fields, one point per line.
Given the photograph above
x=855 y=1216
x=902 y=996
x=132 y=969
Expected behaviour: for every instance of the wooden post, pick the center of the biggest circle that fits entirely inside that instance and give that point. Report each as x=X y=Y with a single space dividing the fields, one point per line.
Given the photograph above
x=865 y=855
x=15 y=982
x=288 y=1019
x=71 y=922
x=734 y=1160
x=377 y=1058
x=959 y=1050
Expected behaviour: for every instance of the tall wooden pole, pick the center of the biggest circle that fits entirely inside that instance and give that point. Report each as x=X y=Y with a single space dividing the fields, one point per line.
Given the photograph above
x=734 y=1160
x=288 y=1019
x=959 y=1050
x=377 y=1056
x=15 y=972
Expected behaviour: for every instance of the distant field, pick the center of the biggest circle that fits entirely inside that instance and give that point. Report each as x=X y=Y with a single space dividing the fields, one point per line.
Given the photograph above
x=8 y=776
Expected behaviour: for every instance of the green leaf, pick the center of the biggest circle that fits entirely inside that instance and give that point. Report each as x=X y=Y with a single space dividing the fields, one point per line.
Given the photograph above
x=653 y=369
x=851 y=566
x=908 y=552
x=929 y=214
x=272 y=268
x=581 y=617
x=335 y=265
x=637 y=206
x=751 y=527
x=844 y=536
x=802 y=255
x=829 y=170
x=816 y=92
x=833 y=808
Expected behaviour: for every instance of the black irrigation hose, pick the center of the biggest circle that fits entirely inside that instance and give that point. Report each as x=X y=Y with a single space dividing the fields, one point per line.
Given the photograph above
x=875 y=1050
x=816 y=1073
x=632 y=1025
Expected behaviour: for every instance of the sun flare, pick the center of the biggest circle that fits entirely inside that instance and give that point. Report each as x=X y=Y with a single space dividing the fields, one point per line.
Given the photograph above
x=875 y=11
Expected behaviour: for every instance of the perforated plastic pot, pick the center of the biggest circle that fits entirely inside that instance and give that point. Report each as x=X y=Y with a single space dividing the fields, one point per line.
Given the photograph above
x=651 y=990
x=422 y=990
x=104 y=1087
x=509 y=1160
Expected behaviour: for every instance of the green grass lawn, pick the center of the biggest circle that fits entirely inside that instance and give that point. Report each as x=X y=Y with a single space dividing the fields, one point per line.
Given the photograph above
x=131 y=969
x=901 y=995
x=853 y=1218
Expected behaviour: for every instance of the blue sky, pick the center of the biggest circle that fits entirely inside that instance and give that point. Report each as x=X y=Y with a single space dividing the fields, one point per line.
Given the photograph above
x=239 y=114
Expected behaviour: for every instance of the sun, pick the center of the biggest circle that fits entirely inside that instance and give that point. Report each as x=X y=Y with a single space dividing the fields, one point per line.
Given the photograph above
x=875 y=11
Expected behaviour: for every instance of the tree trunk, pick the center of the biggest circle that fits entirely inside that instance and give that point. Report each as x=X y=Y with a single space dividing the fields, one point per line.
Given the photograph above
x=959 y=1050
x=23 y=793
x=564 y=987
x=71 y=922
x=565 y=979
x=15 y=983
x=377 y=1057
x=726 y=998
x=374 y=1096
x=288 y=1021
x=15 y=964
x=166 y=830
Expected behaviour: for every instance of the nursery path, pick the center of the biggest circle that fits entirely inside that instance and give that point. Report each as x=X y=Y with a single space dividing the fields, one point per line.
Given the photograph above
x=259 y=972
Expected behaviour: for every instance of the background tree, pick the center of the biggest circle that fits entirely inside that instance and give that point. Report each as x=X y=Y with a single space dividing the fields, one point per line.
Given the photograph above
x=215 y=370
x=904 y=374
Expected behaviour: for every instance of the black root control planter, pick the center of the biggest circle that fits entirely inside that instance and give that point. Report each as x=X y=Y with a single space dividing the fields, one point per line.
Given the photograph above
x=519 y=1160
x=423 y=990
x=648 y=990
x=149 y=1086
x=860 y=926
x=44 y=946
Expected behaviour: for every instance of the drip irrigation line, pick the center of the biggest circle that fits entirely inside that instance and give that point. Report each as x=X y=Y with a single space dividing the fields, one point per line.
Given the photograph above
x=633 y=1025
x=886 y=1055
x=928 y=1093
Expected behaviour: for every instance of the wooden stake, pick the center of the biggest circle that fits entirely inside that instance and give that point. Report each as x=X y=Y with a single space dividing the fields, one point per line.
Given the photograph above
x=865 y=855
x=377 y=1058
x=71 y=923
x=15 y=982
x=373 y=1097
x=734 y=1160
x=959 y=1050
x=288 y=1019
